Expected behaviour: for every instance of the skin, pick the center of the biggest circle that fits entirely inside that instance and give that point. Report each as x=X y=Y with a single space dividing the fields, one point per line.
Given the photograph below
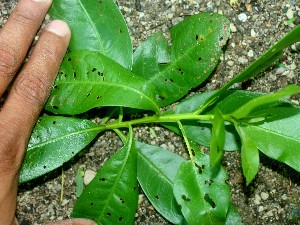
x=28 y=92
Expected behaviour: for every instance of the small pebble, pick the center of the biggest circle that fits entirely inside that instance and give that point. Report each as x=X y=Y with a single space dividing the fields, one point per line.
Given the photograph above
x=260 y=208
x=88 y=176
x=233 y=28
x=290 y=14
x=251 y=53
x=253 y=33
x=242 y=17
x=284 y=197
x=264 y=195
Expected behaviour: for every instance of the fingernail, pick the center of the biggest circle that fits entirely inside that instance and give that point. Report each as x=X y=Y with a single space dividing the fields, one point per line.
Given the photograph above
x=58 y=27
x=41 y=0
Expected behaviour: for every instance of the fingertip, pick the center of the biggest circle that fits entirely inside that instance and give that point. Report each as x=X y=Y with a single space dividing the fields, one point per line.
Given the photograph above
x=59 y=28
x=74 y=222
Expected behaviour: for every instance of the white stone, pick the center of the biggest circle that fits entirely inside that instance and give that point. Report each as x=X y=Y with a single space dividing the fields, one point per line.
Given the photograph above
x=264 y=195
x=260 y=208
x=242 y=17
x=290 y=14
x=253 y=33
x=284 y=197
x=233 y=28
x=251 y=53
x=88 y=176
x=230 y=63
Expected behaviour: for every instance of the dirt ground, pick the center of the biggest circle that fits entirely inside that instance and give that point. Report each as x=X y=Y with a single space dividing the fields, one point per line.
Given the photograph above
x=273 y=197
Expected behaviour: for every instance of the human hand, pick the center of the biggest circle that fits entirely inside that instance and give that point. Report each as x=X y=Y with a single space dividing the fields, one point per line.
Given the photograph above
x=28 y=93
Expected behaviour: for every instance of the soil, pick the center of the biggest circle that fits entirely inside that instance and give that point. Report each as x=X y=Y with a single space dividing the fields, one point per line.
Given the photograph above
x=273 y=197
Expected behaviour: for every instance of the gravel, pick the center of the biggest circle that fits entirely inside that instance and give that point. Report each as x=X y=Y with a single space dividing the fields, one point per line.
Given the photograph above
x=273 y=197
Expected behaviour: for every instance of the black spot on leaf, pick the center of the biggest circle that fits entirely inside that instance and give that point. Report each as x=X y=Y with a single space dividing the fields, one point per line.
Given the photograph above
x=94 y=69
x=120 y=219
x=159 y=97
x=54 y=122
x=197 y=37
x=199 y=59
x=88 y=94
x=209 y=201
x=44 y=166
x=120 y=31
x=55 y=107
x=92 y=203
x=69 y=59
x=157 y=197
x=74 y=75
x=200 y=168
x=108 y=214
x=193 y=152
x=122 y=201
x=103 y=179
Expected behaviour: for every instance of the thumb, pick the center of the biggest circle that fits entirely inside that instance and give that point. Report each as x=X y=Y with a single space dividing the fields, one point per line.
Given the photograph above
x=74 y=222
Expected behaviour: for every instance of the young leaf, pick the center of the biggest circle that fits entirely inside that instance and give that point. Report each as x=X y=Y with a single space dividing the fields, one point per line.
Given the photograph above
x=196 y=48
x=79 y=182
x=263 y=62
x=96 y=26
x=247 y=108
x=54 y=141
x=89 y=79
x=156 y=172
x=249 y=155
x=204 y=197
x=217 y=140
x=112 y=196
x=279 y=136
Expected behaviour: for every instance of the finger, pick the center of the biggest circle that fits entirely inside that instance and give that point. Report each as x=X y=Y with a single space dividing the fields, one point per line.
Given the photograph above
x=74 y=222
x=17 y=35
x=32 y=86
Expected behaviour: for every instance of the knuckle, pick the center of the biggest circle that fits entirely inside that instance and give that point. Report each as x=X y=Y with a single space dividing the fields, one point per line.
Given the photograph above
x=8 y=61
x=22 y=17
x=32 y=89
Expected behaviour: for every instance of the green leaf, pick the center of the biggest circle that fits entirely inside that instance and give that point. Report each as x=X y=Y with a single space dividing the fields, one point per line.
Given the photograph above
x=279 y=136
x=54 y=141
x=96 y=26
x=89 y=79
x=247 y=108
x=79 y=182
x=249 y=155
x=196 y=48
x=263 y=62
x=156 y=171
x=233 y=216
x=217 y=140
x=204 y=197
x=112 y=196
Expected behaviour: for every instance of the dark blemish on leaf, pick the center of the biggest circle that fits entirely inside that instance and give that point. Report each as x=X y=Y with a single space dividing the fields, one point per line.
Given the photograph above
x=210 y=21
x=120 y=219
x=193 y=152
x=199 y=59
x=185 y=198
x=94 y=69
x=159 y=97
x=98 y=97
x=100 y=74
x=157 y=197
x=72 y=153
x=122 y=201
x=92 y=203
x=197 y=37
x=120 y=31
x=108 y=214
x=209 y=201
x=163 y=63
x=134 y=189
x=44 y=167
x=200 y=168
x=103 y=179
x=74 y=75
x=209 y=30
x=54 y=122
x=209 y=182
x=88 y=94
x=69 y=59
x=55 y=107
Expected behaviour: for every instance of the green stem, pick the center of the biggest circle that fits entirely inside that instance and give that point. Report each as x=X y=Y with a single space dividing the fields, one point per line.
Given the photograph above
x=186 y=141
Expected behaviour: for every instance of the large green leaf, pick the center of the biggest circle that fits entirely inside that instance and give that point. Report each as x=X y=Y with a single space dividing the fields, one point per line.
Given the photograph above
x=157 y=168
x=96 y=26
x=279 y=136
x=112 y=196
x=89 y=79
x=263 y=62
x=233 y=216
x=204 y=197
x=196 y=48
x=249 y=156
x=54 y=141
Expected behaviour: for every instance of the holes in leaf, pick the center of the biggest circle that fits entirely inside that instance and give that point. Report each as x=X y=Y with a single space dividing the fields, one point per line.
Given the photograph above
x=55 y=107
x=180 y=70
x=159 y=97
x=44 y=166
x=169 y=80
x=98 y=97
x=100 y=74
x=209 y=182
x=69 y=59
x=209 y=201
x=197 y=37
x=120 y=219
x=92 y=203
x=200 y=168
x=103 y=179
x=185 y=198
x=120 y=31
x=55 y=87
x=193 y=152
x=157 y=197
x=200 y=58
x=88 y=94
x=54 y=122
x=122 y=201
x=74 y=75
x=134 y=189
x=108 y=214
x=94 y=69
